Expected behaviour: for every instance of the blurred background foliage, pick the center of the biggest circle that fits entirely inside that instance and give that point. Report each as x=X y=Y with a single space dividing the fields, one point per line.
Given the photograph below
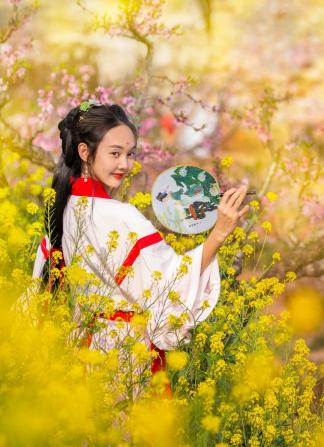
x=232 y=86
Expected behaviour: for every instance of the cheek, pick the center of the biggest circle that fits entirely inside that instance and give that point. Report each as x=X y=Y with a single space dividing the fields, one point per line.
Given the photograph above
x=104 y=161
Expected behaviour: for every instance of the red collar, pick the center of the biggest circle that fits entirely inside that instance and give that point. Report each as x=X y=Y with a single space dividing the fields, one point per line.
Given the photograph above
x=91 y=188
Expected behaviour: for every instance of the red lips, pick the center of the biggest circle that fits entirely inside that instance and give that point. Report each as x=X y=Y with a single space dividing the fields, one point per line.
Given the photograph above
x=119 y=176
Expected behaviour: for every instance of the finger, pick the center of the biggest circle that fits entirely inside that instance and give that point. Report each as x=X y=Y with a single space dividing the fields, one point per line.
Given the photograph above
x=227 y=194
x=240 y=198
x=226 y=202
x=244 y=210
x=234 y=197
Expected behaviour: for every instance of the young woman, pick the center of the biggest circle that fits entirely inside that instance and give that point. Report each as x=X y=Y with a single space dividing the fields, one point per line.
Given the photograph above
x=133 y=265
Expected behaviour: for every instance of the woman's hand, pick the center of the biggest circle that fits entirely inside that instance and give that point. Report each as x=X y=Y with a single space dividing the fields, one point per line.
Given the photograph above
x=229 y=212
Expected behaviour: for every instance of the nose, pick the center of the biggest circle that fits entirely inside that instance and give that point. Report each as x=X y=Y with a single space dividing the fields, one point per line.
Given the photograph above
x=123 y=163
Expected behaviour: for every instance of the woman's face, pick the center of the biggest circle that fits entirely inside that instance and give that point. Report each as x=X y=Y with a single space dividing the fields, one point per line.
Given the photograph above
x=115 y=157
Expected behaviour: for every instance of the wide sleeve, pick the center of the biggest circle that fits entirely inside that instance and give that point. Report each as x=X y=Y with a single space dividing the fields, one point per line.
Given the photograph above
x=179 y=296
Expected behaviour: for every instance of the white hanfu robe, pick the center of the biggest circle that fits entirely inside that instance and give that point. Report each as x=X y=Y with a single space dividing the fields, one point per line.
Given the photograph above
x=101 y=216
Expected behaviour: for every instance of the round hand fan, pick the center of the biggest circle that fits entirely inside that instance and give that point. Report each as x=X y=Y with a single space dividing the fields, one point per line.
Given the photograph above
x=185 y=199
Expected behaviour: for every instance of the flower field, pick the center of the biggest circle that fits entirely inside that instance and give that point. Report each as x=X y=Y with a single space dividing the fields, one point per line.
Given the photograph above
x=220 y=85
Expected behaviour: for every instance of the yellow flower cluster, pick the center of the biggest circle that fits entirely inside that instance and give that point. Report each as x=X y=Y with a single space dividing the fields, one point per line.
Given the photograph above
x=276 y=257
x=267 y=225
x=272 y=196
x=49 y=196
x=177 y=360
x=32 y=208
x=174 y=296
x=211 y=423
x=112 y=243
x=141 y=200
x=226 y=162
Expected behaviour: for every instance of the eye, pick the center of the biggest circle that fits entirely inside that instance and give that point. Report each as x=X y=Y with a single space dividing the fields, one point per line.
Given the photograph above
x=132 y=154
x=114 y=154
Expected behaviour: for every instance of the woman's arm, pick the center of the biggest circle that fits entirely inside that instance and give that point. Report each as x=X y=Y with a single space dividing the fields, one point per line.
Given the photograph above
x=228 y=216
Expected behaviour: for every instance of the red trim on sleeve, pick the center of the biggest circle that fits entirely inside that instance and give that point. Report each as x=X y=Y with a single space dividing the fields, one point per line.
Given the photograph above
x=89 y=188
x=45 y=250
x=145 y=241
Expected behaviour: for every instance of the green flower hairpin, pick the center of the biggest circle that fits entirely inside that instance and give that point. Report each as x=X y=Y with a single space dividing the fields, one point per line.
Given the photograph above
x=85 y=105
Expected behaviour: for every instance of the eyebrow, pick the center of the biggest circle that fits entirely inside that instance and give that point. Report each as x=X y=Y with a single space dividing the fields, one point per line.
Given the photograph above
x=121 y=147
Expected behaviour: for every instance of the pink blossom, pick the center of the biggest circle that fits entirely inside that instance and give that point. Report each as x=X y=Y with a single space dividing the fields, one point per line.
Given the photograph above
x=147 y=125
x=313 y=209
x=46 y=142
x=129 y=102
x=150 y=152
x=104 y=94
x=44 y=101
x=62 y=110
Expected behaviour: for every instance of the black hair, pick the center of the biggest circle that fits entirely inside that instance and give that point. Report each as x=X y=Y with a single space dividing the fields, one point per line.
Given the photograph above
x=77 y=127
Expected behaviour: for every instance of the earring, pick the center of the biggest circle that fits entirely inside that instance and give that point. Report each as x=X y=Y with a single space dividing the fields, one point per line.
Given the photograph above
x=86 y=173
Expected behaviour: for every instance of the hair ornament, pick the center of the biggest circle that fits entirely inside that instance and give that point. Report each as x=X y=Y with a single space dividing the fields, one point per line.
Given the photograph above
x=85 y=105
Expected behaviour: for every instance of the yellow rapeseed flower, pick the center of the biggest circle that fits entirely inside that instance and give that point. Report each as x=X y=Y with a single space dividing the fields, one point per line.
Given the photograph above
x=211 y=423
x=49 y=195
x=248 y=250
x=267 y=225
x=239 y=233
x=141 y=200
x=156 y=275
x=32 y=208
x=147 y=293
x=35 y=229
x=253 y=236
x=132 y=236
x=231 y=271
x=35 y=189
x=176 y=322
x=174 y=296
x=4 y=192
x=255 y=204
x=290 y=276
x=216 y=343
x=82 y=202
x=276 y=257
x=137 y=167
x=77 y=275
x=226 y=162
x=140 y=351
x=159 y=380
x=237 y=439
x=93 y=357
x=139 y=321
x=272 y=196
x=206 y=389
x=17 y=238
x=200 y=340
x=182 y=269
x=187 y=259
x=113 y=237
x=177 y=360
x=155 y=423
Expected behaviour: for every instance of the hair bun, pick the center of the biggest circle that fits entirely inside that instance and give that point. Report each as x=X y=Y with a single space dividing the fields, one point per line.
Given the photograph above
x=67 y=123
x=65 y=127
